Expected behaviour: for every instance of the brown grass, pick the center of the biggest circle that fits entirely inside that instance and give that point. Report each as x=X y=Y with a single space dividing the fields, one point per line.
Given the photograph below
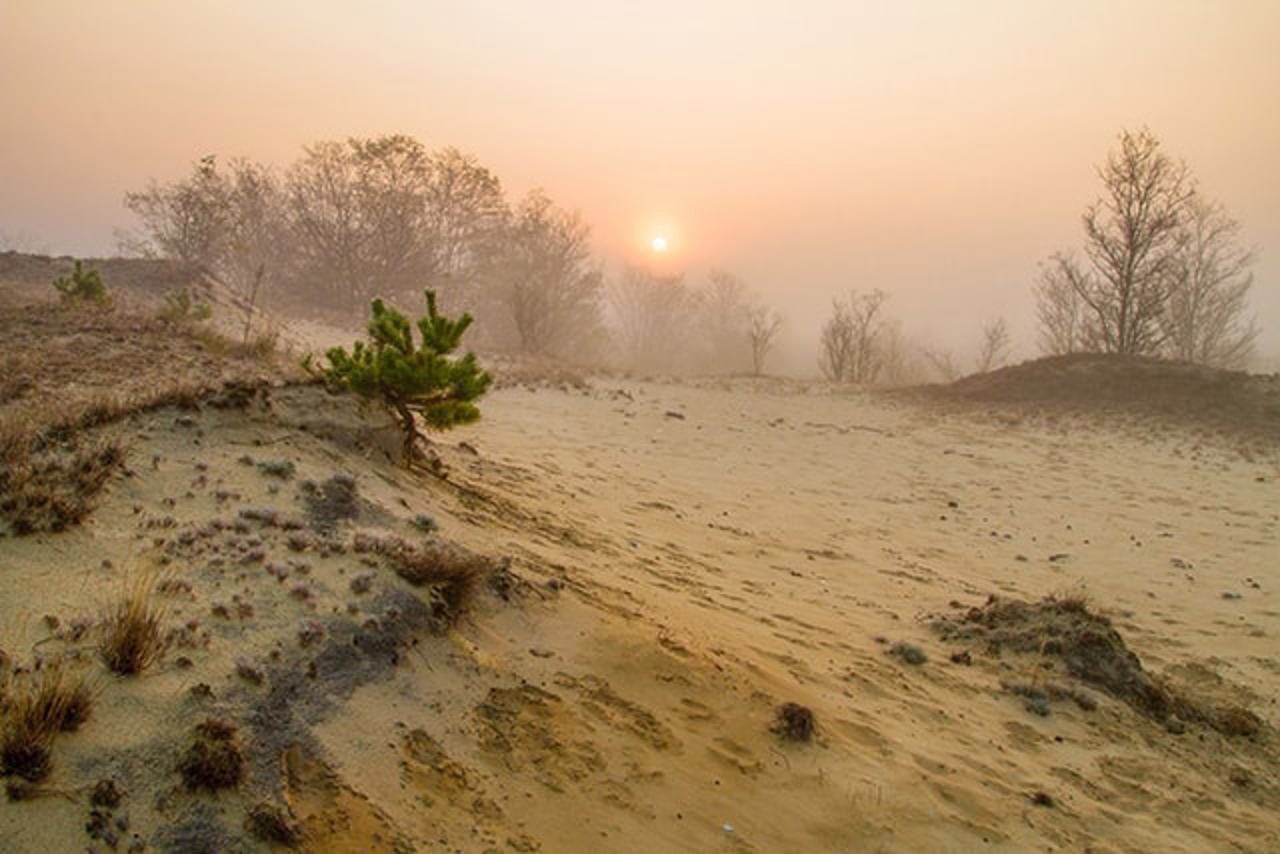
x=132 y=637
x=453 y=573
x=37 y=706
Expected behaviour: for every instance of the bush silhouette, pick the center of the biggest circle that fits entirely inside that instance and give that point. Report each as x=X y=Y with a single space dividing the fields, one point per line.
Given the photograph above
x=412 y=380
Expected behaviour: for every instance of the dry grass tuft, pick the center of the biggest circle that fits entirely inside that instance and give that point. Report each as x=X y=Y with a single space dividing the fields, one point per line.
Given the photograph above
x=53 y=488
x=270 y=823
x=454 y=574
x=794 y=722
x=37 y=706
x=212 y=759
x=132 y=638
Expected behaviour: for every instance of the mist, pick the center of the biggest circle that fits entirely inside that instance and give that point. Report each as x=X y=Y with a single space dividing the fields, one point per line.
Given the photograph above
x=936 y=153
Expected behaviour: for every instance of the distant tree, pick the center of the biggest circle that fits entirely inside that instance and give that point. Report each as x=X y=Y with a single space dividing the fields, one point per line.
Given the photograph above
x=763 y=326
x=357 y=213
x=412 y=380
x=943 y=363
x=851 y=351
x=546 y=281
x=1059 y=308
x=186 y=220
x=994 y=347
x=1131 y=243
x=465 y=219
x=653 y=314
x=1204 y=320
x=723 y=321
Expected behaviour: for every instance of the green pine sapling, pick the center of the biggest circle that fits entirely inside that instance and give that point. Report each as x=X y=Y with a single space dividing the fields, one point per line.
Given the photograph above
x=82 y=287
x=412 y=381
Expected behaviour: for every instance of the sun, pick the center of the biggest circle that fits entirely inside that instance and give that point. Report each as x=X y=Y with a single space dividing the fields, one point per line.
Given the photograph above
x=659 y=244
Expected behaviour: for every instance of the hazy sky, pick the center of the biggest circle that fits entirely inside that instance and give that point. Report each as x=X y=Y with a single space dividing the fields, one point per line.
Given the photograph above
x=936 y=150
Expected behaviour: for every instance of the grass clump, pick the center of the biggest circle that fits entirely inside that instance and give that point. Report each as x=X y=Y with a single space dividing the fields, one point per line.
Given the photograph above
x=212 y=759
x=454 y=574
x=132 y=637
x=283 y=469
x=794 y=722
x=50 y=487
x=34 y=707
x=424 y=523
x=908 y=653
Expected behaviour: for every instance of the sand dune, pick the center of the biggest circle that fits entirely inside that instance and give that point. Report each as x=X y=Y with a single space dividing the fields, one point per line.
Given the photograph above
x=690 y=557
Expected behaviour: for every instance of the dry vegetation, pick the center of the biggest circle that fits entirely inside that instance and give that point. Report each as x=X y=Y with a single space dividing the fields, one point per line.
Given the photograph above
x=70 y=369
x=132 y=636
x=453 y=574
x=1076 y=642
x=35 y=706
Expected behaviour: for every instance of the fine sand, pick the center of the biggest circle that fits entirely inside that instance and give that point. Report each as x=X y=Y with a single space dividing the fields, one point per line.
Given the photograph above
x=680 y=559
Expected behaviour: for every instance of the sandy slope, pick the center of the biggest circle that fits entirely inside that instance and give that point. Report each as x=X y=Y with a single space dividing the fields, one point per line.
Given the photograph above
x=694 y=556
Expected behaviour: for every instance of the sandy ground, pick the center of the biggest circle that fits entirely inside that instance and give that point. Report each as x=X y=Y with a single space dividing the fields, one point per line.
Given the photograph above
x=694 y=556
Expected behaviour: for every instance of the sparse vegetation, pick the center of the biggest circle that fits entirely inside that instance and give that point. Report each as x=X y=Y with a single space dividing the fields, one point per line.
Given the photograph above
x=212 y=758
x=412 y=380
x=908 y=653
x=180 y=306
x=132 y=637
x=36 y=705
x=454 y=574
x=48 y=486
x=330 y=502
x=282 y=469
x=82 y=286
x=1064 y=630
x=794 y=722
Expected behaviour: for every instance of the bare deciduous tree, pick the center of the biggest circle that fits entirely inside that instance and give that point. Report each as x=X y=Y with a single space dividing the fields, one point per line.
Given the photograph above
x=1059 y=307
x=1204 y=320
x=722 y=307
x=466 y=214
x=1131 y=241
x=547 y=281
x=186 y=220
x=851 y=337
x=994 y=348
x=652 y=314
x=943 y=363
x=763 y=326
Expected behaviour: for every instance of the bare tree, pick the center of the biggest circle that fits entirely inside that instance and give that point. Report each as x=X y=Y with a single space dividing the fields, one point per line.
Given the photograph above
x=1131 y=241
x=994 y=348
x=652 y=314
x=549 y=285
x=763 y=326
x=1204 y=320
x=722 y=307
x=358 y=214
x=465 y=218
x=186 y=220
x=943 y=363
x=1059 y=307
x=851 y=338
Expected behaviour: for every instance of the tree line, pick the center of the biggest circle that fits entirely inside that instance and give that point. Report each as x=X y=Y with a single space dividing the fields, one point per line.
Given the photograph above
x=354 y=220
x=1161 y=273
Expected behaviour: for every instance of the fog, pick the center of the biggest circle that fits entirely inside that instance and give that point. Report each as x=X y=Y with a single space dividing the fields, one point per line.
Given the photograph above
x=936 y=152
